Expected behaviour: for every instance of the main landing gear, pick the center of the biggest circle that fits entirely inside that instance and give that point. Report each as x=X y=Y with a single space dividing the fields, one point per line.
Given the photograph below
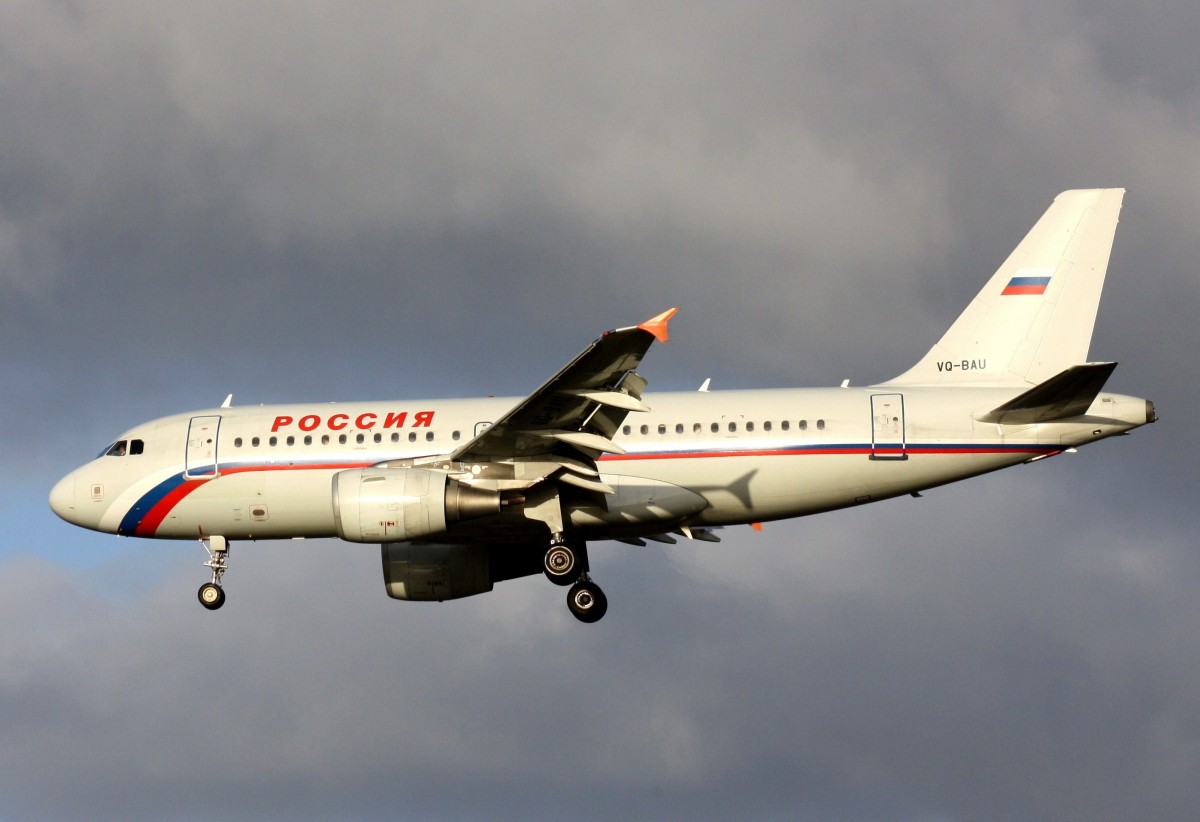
x=211 y=595
x=586 y=601
x=566 y=564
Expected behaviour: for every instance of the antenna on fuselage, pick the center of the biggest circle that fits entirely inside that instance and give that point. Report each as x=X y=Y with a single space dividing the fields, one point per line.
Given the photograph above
x=228 y=402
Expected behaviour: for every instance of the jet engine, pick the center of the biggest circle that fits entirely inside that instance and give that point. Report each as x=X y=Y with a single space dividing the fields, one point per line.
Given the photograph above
x=399 y=504
x=435 y=572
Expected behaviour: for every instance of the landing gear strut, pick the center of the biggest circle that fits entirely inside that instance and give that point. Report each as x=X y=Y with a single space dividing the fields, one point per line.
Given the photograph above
x=211 y=595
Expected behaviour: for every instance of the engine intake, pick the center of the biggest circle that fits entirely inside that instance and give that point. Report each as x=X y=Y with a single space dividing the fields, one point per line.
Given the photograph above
x=400 y=504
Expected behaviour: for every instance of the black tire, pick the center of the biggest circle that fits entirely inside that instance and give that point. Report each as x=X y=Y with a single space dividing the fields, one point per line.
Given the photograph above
x=561 y=565
x=587 y=602
x=211 y=596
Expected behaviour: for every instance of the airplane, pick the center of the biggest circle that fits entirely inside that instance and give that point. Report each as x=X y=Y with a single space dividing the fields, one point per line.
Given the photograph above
x=463 y=493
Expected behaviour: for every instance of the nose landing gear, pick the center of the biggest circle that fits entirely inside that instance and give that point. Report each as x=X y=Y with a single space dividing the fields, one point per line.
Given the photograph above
x=211 y=595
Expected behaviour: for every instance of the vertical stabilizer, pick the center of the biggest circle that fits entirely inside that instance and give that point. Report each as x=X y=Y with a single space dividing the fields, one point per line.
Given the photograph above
x=1035 y=316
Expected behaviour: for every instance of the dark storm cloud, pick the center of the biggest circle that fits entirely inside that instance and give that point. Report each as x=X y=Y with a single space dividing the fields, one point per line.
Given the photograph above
x=325 y=202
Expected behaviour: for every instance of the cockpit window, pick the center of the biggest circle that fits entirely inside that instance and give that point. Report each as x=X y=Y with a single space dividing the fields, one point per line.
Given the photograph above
x=122 y=447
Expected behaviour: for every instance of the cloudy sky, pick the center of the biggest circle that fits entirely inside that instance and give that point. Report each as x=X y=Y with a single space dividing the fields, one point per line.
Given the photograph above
x=307 y=201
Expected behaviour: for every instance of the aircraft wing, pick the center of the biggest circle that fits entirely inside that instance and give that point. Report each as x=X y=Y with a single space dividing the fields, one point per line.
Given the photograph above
x=577 y=412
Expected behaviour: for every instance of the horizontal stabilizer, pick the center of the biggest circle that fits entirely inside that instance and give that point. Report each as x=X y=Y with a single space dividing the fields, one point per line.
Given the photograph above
x=1068 y=394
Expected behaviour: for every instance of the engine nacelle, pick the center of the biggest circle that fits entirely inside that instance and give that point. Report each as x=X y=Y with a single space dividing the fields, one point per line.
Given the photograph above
x=400 y=504
x=435 y=572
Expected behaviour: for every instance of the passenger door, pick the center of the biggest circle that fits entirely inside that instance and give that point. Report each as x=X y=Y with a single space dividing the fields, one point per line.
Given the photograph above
x=201 y=459
x=887 y=427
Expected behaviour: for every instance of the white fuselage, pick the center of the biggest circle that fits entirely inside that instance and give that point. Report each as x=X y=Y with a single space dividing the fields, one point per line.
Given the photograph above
x=265 y=472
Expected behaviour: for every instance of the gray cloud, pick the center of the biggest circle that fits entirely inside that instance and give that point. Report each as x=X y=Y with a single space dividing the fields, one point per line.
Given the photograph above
x=320 y=202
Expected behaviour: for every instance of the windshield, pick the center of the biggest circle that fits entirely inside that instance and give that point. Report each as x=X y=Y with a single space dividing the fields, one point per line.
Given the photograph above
x=122 y=447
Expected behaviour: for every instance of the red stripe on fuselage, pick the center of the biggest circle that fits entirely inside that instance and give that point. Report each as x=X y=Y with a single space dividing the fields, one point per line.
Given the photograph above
x=915 y=450
x=154 y=517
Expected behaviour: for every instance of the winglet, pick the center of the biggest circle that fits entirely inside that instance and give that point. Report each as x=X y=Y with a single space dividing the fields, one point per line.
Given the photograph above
x=658 y=325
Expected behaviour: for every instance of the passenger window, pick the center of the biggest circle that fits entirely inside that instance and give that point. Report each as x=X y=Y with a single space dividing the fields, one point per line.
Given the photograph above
x=645 y=429
x=341 y=439
x=820 y=425
x=803 y=425
x=626 y=430
x=678 y=428
x=291 y=440
x=308 y=439
x=785 y=425
x=378 y=438
x=273 y=441
x=662 y=428
x=324 y=439
x=254 y=442
x=733 y=426
x=412 y=436
x=767 y=425
x=395 y=436
x=696 y=428
x=429 y=436
x=237 y=443
x=456 y=435
x=749 y=426
x=715 y=427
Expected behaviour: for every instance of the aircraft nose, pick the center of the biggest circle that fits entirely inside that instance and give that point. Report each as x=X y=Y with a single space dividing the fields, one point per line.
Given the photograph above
x=62 y=498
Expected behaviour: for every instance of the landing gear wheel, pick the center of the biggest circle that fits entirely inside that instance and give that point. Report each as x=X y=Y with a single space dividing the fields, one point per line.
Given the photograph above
x=561 y=565
x=211 y=596
x=586 y=601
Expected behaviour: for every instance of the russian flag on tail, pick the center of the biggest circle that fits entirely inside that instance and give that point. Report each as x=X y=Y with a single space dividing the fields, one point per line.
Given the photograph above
x=1026 y=285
